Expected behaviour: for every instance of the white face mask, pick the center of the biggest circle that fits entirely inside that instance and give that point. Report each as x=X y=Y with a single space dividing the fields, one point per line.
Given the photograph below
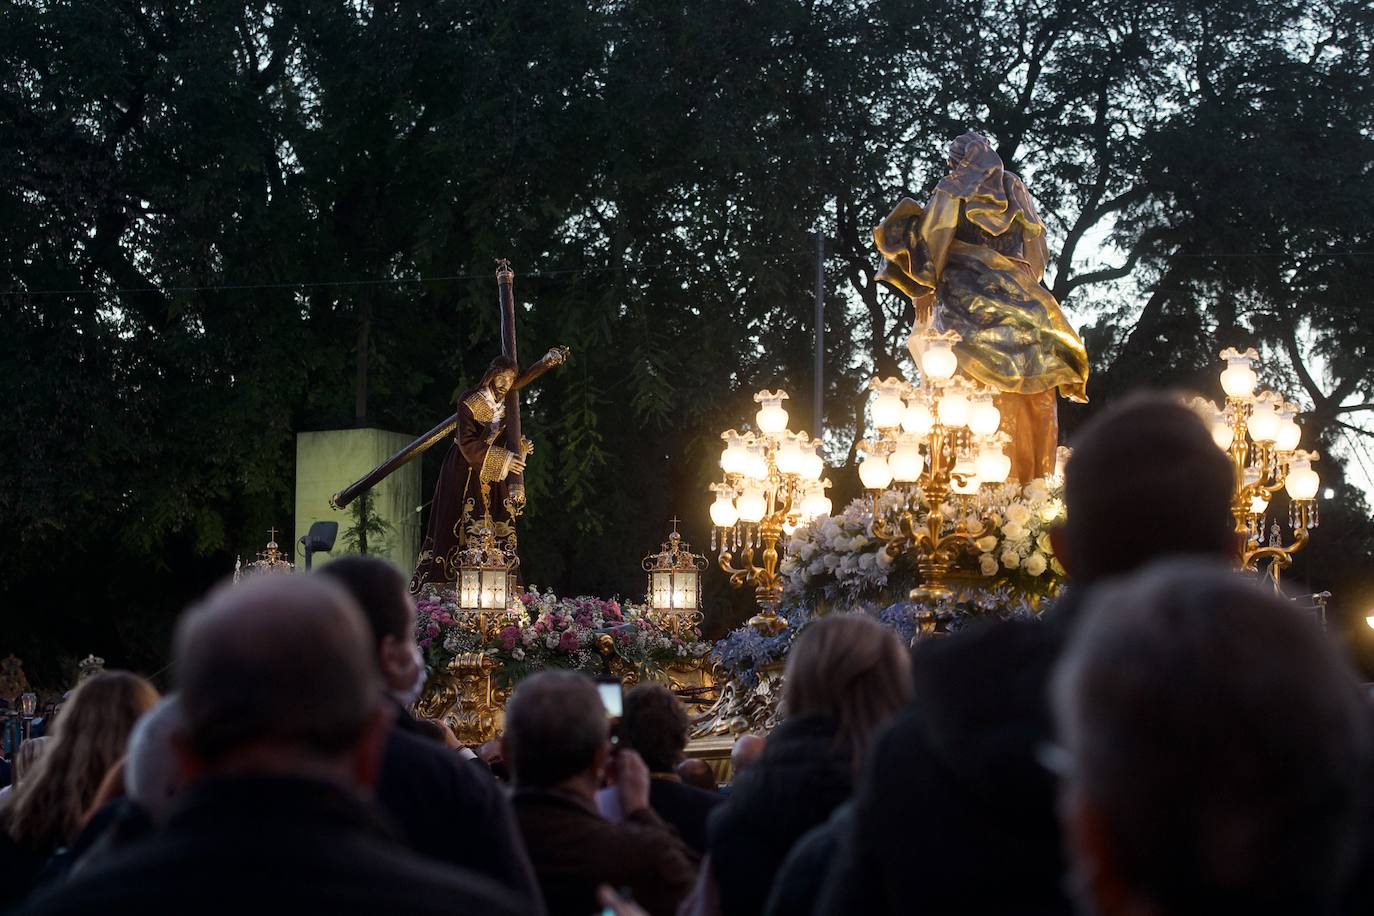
x=412 y=693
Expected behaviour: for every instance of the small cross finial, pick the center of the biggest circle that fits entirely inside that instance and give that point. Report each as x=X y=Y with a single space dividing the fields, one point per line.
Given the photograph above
x=272 y=535
x=675 y=521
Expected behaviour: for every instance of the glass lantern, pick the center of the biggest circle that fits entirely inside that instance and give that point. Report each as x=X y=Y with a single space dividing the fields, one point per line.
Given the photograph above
x=675 y=583
x=485 y=572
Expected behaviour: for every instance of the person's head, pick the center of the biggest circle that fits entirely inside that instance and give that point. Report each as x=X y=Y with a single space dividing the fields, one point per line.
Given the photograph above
x=89 y=738
x=746 y=752
x=383 y=595
x=655 y=725
x=276 y=677
x=556 y=731
x=492 y=754
x=1216 y=748
x=27 y=757
x=1145 y=481
x=849 y=668
x=500 y=376
x=694 y=771
x=151 y=777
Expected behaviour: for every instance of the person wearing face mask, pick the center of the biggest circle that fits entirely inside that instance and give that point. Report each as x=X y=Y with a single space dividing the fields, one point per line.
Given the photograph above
x=446 y=808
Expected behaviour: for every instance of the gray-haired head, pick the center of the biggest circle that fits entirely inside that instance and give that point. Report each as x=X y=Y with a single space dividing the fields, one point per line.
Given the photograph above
x=555 y=728
x=1218 y=738
x=151 y=775
x=277 y=662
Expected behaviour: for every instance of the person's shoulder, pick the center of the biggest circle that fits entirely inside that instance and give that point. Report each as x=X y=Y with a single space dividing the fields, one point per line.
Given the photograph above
x=983 y=654
x=431 y=886
x=410 y=757
x=683 y=794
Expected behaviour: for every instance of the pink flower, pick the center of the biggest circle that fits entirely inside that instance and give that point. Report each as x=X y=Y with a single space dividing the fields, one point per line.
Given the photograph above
x=510 y=635
x=569 y=642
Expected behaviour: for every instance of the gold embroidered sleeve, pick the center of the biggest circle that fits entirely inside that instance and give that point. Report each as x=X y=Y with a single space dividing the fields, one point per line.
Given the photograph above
x=497 y=464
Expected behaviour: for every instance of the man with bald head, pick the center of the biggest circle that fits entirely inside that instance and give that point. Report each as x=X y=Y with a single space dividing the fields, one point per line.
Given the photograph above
x=955 y=783
x=282 y=727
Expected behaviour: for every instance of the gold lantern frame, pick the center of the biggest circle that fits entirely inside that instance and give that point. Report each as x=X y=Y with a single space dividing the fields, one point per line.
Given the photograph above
x=674 y=584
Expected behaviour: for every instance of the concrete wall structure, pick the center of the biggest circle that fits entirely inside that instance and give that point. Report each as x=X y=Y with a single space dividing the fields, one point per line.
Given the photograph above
x=329 y=460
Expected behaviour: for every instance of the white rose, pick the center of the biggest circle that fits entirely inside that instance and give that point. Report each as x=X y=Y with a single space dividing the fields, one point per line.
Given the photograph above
x=1054 y=565
x=1043 y=542
x=987 y=564
x=1013 y=531
x=987 y=543
x=1036 y=490
x=552 y=640
x=1035 y=563
x=1011 y=559
x=788 y=566
x=866 y=562
x=817 y=567
x=1018 y=513
x=858 y=543
x=517 y=654
x=807 y=551
x=1052 y=510
x=884 y=559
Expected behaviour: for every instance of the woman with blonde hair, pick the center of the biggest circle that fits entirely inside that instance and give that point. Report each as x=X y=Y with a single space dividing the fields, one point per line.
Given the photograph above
x=846 y=676
x=46 y=812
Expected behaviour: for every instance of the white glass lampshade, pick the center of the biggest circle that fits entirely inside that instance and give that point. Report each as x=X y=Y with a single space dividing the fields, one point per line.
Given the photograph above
x=771 y=418
x=789 y=455
x=875 y=473
x=968 y=469
x=1258 y=505
x=751 y=505
x=887 y=410
x=733 y=460
x=811 y=466
x=816 y=503
x=1264 y=420
x=917 y=418
x=1302 y=482
x=723 y=512
x=938 y=362
x=905 y=461
x=992 y=464
x=1238 y=378
x=1290 y=433
x=953 y=407
x=1222 y=433
x=984 y=417
x=756 y=463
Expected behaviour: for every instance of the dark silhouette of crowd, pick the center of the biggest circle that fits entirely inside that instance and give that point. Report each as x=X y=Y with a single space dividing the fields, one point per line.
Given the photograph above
x=1168 y=738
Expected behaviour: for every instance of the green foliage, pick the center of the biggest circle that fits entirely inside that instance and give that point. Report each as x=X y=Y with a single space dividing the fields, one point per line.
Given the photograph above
x=203 y=202
x=369 y=532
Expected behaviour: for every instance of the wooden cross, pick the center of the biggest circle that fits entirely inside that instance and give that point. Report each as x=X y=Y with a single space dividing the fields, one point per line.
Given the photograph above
x=505 y=285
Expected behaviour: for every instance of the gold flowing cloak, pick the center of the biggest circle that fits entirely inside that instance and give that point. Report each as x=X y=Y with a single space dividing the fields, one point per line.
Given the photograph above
x=979 y=247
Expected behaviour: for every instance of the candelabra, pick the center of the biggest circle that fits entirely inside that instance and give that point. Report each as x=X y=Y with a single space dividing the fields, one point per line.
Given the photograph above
x=773 y=483
x=1261 y=435
x=937 y=446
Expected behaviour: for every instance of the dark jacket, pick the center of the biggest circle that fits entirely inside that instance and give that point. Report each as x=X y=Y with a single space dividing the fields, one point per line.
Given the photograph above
x=574 y=850
x=800 y=779
x=449 y=810
x=954 y=792
x=797 y=888
x=273 y=846
x=685 y=808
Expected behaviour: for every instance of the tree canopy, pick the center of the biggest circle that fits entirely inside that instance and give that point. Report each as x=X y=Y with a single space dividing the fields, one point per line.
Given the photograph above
x=226 y=223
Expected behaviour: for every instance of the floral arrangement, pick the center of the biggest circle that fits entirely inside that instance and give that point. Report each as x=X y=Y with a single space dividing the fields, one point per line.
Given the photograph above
x=540 y=630
x=836 y=560
x=745 y=652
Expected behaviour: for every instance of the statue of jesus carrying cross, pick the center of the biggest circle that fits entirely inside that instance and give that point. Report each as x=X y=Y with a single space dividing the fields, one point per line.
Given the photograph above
x=481 y=482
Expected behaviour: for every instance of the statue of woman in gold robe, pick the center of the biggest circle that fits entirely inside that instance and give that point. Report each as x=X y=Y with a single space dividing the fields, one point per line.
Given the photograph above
x=972 y=261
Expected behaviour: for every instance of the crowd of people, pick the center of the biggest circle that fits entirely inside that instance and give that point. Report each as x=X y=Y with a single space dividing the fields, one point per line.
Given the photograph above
x=1168 y=738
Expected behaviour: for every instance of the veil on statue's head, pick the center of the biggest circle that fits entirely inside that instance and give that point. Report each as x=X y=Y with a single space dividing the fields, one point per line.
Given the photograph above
x=993 y=198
